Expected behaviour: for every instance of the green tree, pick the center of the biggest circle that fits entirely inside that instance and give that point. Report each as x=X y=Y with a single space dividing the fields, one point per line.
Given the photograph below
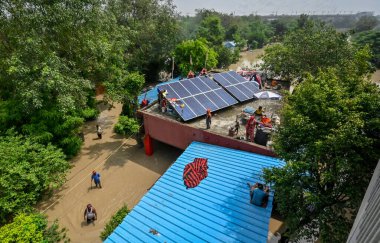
x=313 y=47
x=127 y=126
x=372 y=39
x=258 y=33
x=31 y=228
x=51 y=54
x=366 y=23
x=329 y=137
x=212 y=30
x=125 y=90
x=196 y=51
x=28 y=169
x=152 y=31
x=227 y=56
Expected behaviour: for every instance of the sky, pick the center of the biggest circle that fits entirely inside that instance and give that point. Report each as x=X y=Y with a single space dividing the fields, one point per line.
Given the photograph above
x=267 y=7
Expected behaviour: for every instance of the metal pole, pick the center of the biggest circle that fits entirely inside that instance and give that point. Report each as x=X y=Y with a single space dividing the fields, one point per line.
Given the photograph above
x=206 y=59
x=172 y=66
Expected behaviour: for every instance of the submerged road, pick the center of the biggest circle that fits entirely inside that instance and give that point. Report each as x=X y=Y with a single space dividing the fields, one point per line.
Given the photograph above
x=126 y=174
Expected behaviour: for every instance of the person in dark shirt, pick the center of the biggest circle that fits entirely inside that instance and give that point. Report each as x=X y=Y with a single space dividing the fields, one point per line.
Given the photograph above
x=258 y=195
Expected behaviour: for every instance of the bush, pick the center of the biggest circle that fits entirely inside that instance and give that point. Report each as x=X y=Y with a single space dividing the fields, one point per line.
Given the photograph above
x=126 y=126
x=71 y=145
x=28 y=170
x=116 y=219
x=90 y=114
x=32 y=228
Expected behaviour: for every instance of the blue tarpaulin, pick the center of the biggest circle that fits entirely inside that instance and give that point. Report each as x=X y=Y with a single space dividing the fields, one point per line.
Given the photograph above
x=151 y=95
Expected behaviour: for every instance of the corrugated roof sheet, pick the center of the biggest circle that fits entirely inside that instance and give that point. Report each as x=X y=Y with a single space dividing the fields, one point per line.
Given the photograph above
x=217 y=210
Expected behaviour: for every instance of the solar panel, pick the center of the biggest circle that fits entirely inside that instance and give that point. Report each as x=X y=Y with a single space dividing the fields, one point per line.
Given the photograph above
x=192 y=97
x=238 y=86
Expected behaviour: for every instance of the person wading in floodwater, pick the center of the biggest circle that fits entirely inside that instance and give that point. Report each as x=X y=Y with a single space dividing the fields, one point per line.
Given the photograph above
x=90 y=214
x=99 y=131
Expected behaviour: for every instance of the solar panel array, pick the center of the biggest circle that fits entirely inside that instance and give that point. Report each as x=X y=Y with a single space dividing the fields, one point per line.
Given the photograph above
x=192 y=97
x=238 y=86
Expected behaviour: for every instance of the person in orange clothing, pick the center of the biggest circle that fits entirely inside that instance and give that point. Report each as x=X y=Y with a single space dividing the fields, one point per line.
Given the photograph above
x=250 y=129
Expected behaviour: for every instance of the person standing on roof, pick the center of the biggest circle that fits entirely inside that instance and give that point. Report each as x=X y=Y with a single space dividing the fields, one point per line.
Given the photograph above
x=208 y=119
x=90 y=214
x=96 y=177
x=250 y=129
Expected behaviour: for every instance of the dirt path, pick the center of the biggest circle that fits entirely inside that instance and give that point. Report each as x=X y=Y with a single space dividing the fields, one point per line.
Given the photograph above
x=126 y=174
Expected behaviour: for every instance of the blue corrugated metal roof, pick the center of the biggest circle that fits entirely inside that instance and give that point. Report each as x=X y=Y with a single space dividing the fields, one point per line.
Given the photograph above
x=217 y=210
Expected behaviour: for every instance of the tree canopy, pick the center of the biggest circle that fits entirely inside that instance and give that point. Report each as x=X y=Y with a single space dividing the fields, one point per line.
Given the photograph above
x=212 y=30
x=125 y=90
x=152 y=33
x=31 y=228
x=312 y=47
x=366 y=23
x=372 y=39
x=258 y=33
x=28 y=169
x=51 y=54
x=329 y=137
x=196 y=50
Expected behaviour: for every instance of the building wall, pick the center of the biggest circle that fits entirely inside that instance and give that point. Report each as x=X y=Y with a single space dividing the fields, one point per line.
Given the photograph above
x=180 y=135
x=366 y=227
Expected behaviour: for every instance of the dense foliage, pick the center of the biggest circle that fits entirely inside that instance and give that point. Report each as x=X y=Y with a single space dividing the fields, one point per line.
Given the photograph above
x=192 y=54
x=330 y=138
x=48 y=67
x=32 y=228
x=372 y=39
x=366 y=23
x=314 y=46
x=211 y=30
x=258 y=33
x=152 y=33
x=127 y=126
x=125 y=89
x=28 y=169
x=116 y=219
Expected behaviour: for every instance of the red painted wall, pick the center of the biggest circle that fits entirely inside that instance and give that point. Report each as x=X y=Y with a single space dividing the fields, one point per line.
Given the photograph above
x=180 y=135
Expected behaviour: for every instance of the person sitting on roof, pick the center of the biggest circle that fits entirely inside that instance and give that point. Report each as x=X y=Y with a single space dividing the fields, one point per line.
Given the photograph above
x=203 y=72
x=259 y=112
x=190 y=74
x=258 y=195
x=144 y=103
x=266 y=121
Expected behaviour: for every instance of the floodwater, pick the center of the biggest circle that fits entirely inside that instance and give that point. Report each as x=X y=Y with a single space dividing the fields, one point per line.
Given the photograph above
x=248 y=60
x=376 y=77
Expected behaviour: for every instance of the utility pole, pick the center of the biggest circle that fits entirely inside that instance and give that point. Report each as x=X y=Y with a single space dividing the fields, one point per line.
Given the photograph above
x=206 y=59
x=172 y=66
